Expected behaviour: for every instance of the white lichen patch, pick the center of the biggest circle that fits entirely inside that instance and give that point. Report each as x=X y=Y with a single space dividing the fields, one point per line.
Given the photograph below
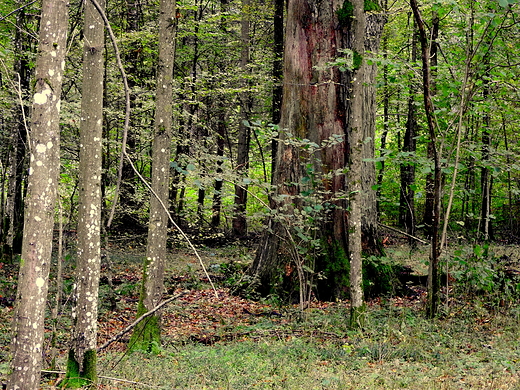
x=41 y=148
x=39 y=163
x=37 y=219
x=40 y=282
x=49 y=145
x=42 y=97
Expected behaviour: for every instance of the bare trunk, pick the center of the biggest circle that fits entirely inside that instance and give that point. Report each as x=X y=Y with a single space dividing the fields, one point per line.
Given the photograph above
x=355 y=175
x=28 y=320
x=244 y=133
x=433 y=268
x=407 y=193
x=146 y=335
x=81 y=368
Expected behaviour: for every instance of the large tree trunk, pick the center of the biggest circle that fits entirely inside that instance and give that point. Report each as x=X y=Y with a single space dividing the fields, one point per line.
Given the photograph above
x=146 y=335
x=28 y=321
x=81 y=367
x=316 y=108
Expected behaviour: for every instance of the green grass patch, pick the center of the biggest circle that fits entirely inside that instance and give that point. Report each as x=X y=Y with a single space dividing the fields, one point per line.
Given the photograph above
x=398 y=349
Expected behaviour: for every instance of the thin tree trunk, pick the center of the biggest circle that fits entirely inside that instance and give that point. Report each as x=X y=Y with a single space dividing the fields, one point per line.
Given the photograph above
x=407 y=193
x=433 y=268
x=354 y=178
x=244 y=132
x=28 y=320
x=82 y=366
x=13 y=220
x=146 y=335
x=278 y=36
x=371 y=242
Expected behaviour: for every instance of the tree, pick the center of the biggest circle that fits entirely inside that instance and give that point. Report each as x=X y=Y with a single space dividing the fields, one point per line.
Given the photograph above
x=407 y=193
x=12 y=217
x=312 y=152
x=146 y=335
x=355 y=166
x=28 y=321
x=244 y=131
x=81 y=366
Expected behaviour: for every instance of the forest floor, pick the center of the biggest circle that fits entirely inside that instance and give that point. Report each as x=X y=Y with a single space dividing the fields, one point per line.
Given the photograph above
x=213 y=339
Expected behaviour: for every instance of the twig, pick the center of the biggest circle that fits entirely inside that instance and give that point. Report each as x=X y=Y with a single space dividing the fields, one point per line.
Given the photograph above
x=18 y=9
x=105 y=377
x=403 y=233
x=137 y=321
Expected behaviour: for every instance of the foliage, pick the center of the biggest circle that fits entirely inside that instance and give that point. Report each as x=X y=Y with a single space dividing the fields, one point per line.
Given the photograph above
x=478 y=273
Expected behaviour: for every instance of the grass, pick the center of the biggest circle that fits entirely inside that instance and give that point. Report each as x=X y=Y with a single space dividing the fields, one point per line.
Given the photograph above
x=399 y=349
x=211 y=343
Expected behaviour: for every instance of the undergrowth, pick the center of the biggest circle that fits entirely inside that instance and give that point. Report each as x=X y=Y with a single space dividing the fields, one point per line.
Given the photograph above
x=399 y=348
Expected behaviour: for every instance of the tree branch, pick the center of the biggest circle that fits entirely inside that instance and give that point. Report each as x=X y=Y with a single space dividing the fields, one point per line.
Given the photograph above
x=137 y=321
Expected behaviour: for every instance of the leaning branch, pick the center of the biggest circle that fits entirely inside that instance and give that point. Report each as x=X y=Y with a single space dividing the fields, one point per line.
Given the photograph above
x=404 y=233
x=137 y=321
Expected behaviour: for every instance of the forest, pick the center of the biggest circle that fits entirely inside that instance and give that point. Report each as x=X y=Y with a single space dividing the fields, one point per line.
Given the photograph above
x=236 y=194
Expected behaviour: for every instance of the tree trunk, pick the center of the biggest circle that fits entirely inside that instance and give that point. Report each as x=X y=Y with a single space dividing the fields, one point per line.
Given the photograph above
x=433 y=268
x=81 y=366
x=371 y=243
x=146 y=335
x=316 y=108
x=278 y=35
x=407 y=193
x=244 y=132
x=28 y=321
x=312 y=109
x=219 y=182
x=355 y=173
x=12 y=226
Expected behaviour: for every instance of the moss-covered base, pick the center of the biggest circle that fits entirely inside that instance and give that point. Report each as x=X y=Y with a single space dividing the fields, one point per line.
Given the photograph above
x=146 y=336
x=357 y=317
x=77 y=378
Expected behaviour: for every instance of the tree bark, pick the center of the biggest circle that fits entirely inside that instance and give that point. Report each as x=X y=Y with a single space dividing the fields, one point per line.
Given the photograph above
x=278 y=37
x=244 y=131
x=81 y=367
x=146 y=335
x=28 y=321
x=371 y=242
x=433 y=268
x=12 y=224
x=316 y=107
x=407 y=169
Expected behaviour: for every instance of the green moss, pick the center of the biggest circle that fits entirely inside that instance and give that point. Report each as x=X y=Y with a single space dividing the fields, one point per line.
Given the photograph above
x=345 y=13
x=146 y=336
x=371 y=5
x=90 y=366
x=74 y=378
x=357 y=59
x=357 y=317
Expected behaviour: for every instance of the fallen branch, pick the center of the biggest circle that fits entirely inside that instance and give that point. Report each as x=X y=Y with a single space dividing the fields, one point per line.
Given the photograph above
x=403 y=233
x=137 y=321
x=104 y=377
